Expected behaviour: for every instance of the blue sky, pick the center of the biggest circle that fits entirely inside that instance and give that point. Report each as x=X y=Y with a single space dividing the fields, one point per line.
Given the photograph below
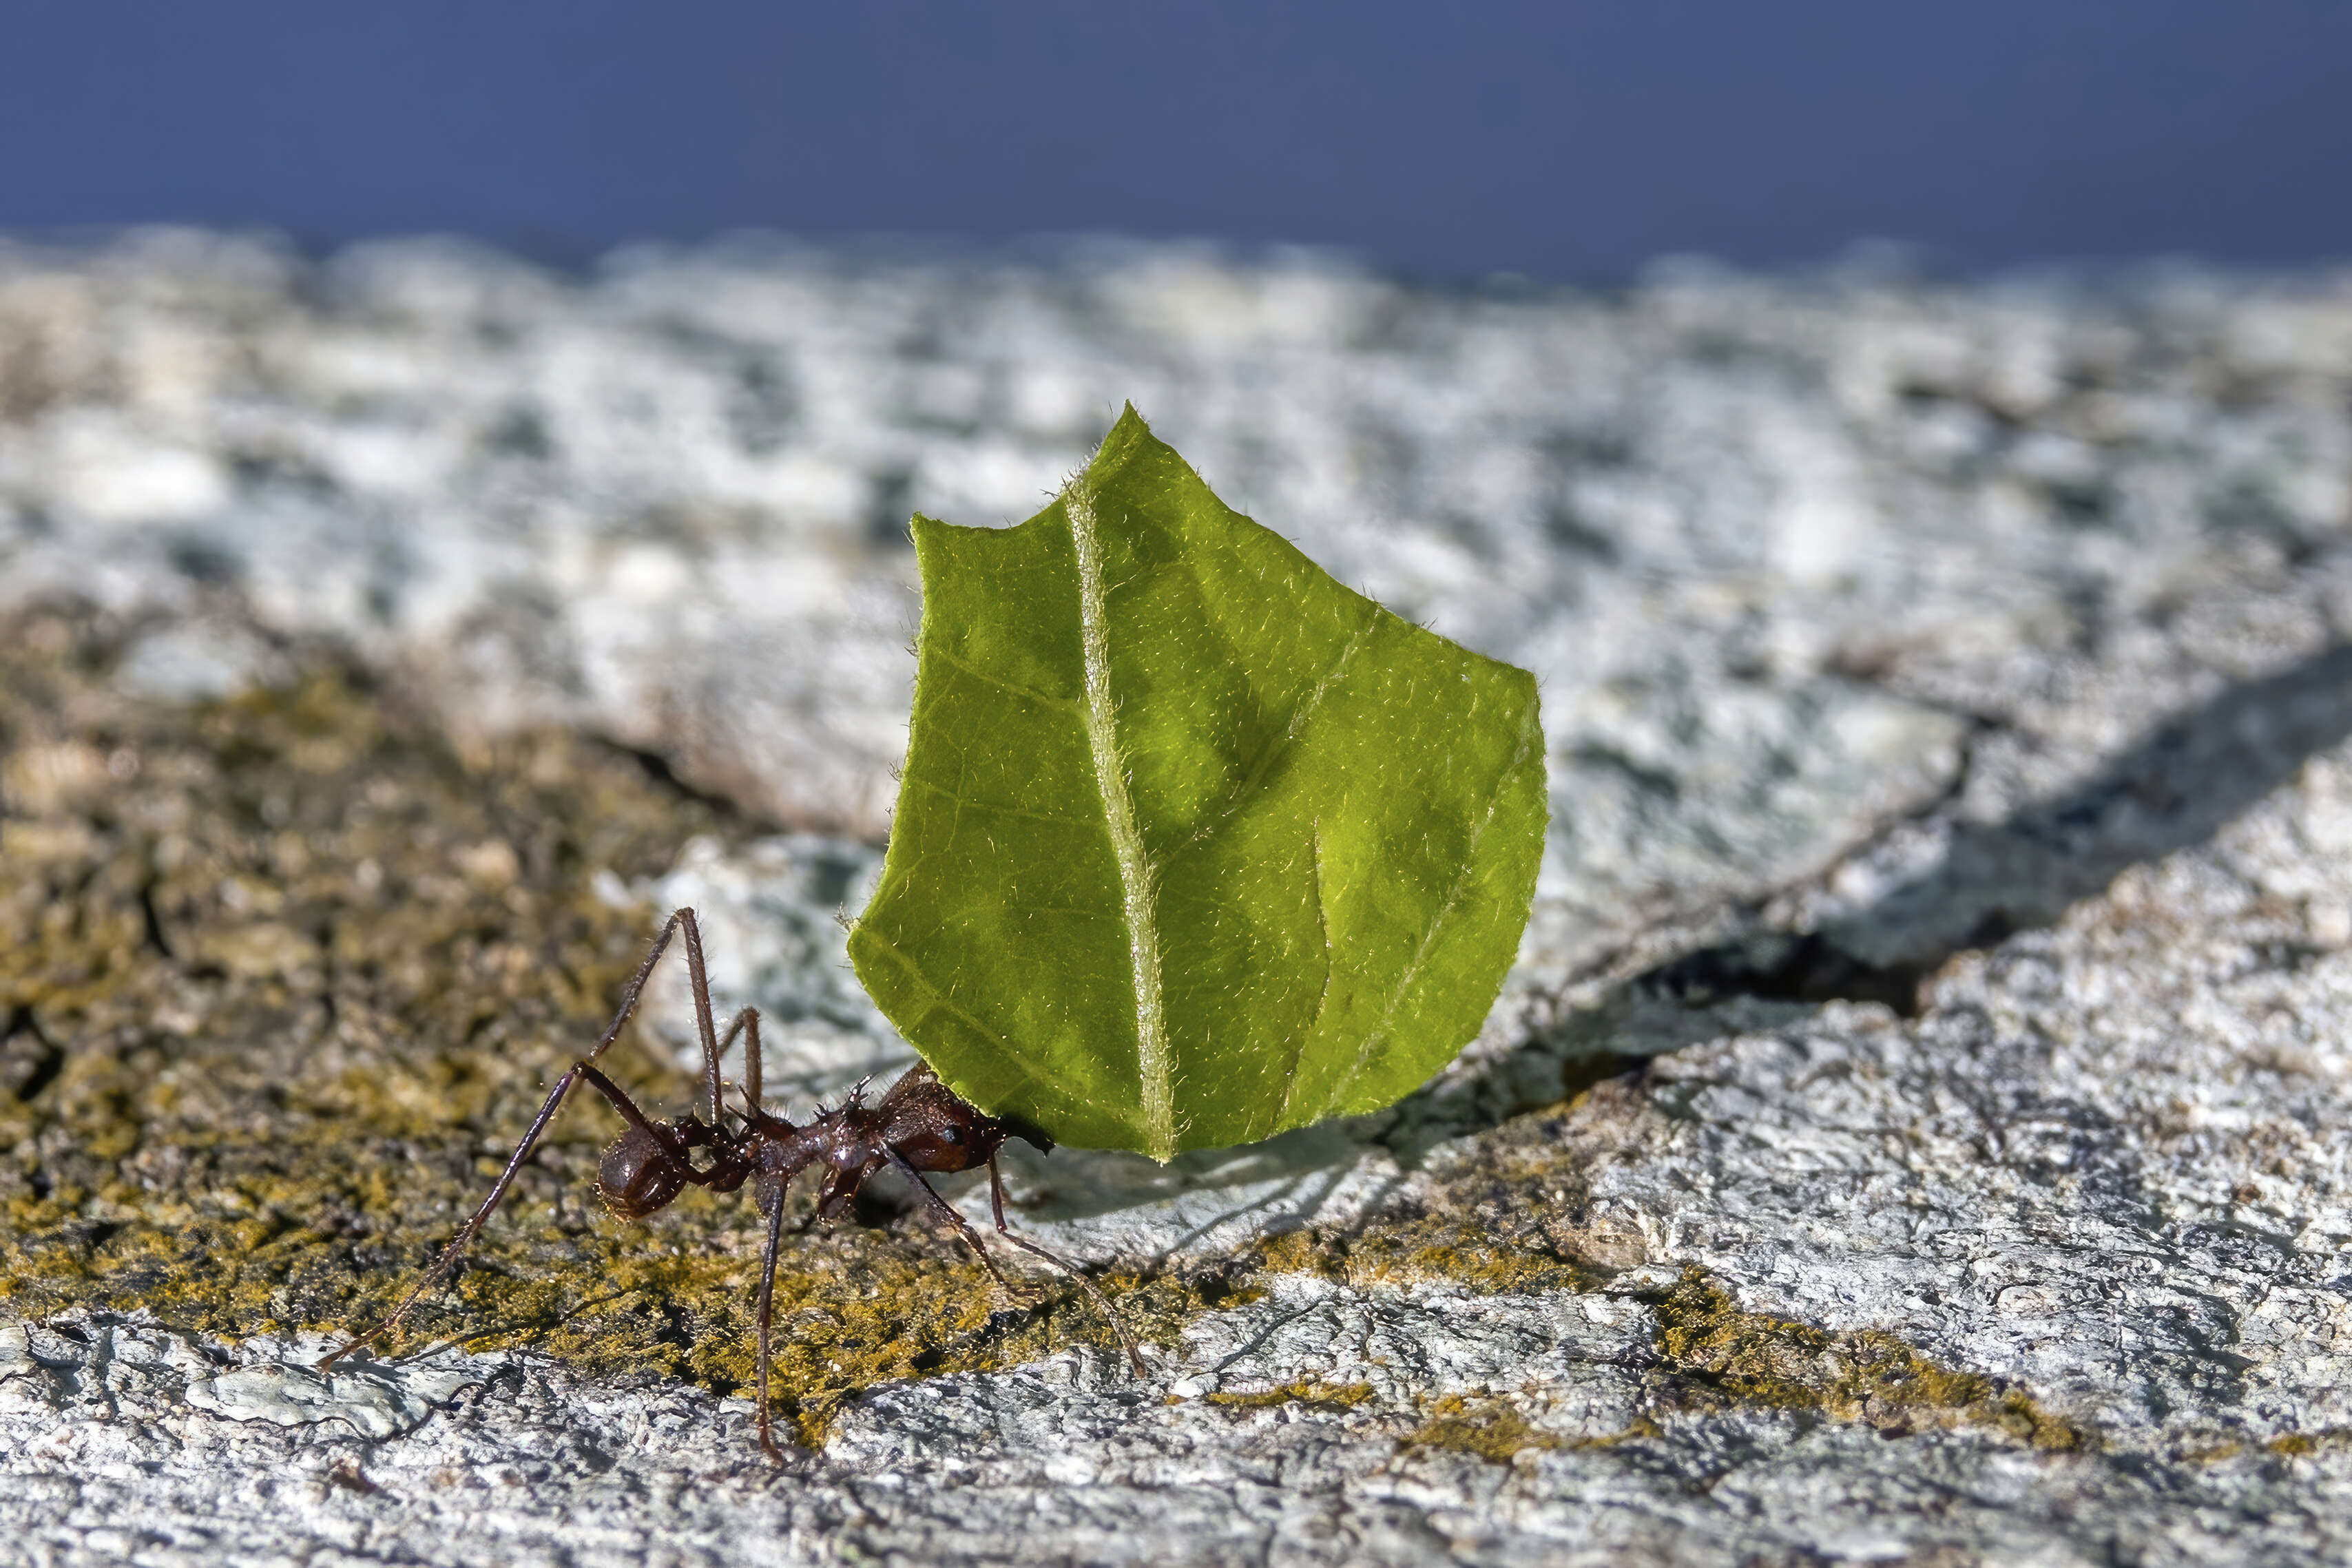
x=1566 y=140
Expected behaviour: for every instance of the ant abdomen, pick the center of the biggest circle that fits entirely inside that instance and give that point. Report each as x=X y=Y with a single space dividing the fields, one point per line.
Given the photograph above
x=638 y=1175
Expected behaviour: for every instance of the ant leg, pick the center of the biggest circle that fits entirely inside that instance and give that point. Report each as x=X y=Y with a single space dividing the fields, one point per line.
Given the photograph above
x=947 y=1211
x=466 y=1232
x=746 y=1023
x=579 y=1070
x=996 y=1204
x=699 y=981
x=768 y=1318
x=996 y=1196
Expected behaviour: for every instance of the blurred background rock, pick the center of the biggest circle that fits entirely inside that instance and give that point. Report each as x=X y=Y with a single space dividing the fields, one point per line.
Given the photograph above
x=1777 y=550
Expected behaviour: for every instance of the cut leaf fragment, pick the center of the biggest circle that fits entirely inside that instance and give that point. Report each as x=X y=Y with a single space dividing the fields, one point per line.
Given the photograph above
x=1193 y=843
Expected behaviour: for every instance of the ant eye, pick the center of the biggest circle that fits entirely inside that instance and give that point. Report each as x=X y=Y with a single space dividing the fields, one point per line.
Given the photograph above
x=952 y=1134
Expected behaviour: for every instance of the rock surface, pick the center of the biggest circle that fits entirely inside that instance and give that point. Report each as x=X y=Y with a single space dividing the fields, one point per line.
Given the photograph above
x=1913 y=1132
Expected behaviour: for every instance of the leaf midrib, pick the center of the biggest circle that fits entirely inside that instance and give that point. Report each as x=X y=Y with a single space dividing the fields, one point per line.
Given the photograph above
x=1139 y=891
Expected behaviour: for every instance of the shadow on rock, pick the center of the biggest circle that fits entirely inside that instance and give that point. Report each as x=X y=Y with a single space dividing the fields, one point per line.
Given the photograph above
x=2176 y=788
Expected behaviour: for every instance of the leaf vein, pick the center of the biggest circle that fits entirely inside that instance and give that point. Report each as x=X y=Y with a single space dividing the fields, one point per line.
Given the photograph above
x=1248 y=787
x=992 y=678
x=1322 y=929
x=1530 y=734
x=947 y=1003
x=962 y=800
x=1139 y=893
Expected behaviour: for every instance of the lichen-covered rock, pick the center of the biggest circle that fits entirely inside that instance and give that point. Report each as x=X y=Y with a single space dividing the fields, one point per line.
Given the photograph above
x=1913 y=1133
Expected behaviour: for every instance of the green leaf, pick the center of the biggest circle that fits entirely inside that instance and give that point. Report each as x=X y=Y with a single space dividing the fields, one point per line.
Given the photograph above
x=1193 y=844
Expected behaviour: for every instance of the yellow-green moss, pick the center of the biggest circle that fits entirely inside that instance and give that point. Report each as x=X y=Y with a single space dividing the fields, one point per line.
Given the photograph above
x=1314 y=1394
x=1719 y=1354
x=1493 y=1429
x=1498 y=1431
x=1445 y=1247
x=2214 y=1448
x=1713 y=1355
x=282 y=977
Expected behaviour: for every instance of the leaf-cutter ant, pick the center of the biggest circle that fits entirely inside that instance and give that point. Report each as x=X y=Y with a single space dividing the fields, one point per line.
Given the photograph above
x=919 y=1125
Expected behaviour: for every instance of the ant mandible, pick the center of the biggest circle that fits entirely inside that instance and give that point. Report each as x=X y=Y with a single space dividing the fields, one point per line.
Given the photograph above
x=919 y=1125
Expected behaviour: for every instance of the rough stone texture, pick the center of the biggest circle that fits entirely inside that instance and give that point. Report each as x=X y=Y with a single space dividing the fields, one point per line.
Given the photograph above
x=1913 y=1133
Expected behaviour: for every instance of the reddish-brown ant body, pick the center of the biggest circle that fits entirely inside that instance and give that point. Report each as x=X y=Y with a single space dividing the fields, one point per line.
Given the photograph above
x=918 y=1126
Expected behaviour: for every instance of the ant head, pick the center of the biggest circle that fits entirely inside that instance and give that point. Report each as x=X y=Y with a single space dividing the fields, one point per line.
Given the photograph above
x=940 y=1133
x=934 y=1129
x=638 y=1175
